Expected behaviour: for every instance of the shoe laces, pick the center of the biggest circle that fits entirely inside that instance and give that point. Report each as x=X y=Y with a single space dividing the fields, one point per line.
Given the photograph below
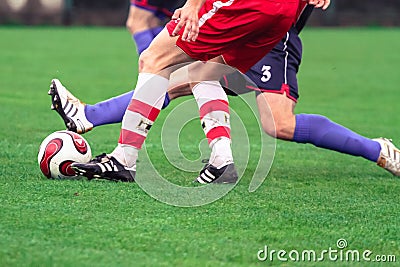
x=393 y=155
x=99 y=158
x=73 y=100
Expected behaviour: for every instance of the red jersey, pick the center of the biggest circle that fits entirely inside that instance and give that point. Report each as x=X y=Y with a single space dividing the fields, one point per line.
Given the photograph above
x=242 y=31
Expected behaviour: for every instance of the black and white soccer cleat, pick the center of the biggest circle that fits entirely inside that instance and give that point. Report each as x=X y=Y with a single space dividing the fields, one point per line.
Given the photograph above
x=70 y=108
x=105 y=167
x=224 y=175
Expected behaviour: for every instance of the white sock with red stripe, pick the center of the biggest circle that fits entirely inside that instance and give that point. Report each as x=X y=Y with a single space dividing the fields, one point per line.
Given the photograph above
x=142 y=111
x=214 y=115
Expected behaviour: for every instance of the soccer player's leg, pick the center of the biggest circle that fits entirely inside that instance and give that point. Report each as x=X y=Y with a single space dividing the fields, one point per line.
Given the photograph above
x=278 y=118
x=143 y=24
x=214 y=115
x=146 y=19
x=324 y=133
x=279 y=121
x=108 y=111
x=142 y=110
x=80 y=117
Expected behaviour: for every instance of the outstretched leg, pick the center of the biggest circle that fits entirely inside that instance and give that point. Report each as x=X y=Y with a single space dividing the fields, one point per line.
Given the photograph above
x=322 y=132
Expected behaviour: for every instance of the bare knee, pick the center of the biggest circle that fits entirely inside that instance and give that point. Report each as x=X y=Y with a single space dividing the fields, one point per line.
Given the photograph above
x=280 y=127
x=155 y=61
x=277 y=117
x=149 y=62
x=268 y=126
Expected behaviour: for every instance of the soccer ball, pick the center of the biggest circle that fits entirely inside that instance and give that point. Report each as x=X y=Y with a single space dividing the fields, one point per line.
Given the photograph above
x=59 y=150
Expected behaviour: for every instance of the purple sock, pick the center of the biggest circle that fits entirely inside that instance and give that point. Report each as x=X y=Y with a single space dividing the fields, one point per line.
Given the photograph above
x=144 y=38
x=156 y=30
x=322 y=132
x=112 y=110
x=109 y=111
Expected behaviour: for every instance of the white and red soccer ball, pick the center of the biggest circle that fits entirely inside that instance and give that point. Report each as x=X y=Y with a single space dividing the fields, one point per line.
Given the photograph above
x=59 y=150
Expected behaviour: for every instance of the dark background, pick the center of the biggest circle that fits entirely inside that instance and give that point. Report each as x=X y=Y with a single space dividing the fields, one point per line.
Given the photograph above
x=114 y=12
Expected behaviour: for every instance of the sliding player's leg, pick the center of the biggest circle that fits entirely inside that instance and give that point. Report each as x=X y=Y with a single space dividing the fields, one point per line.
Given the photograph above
x=322 y=132
x=276 y=77
x=80 y=117
x=311 y=128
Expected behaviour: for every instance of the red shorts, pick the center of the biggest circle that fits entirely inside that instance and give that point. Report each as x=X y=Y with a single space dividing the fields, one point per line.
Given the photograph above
x=242 y=31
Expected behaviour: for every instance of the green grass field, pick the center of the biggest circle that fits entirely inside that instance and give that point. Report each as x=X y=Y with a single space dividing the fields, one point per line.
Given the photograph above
x=310 y=199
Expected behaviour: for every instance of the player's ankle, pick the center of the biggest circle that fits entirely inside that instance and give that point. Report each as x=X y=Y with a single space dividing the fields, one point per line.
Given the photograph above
x=221 y=154
x=126 y=155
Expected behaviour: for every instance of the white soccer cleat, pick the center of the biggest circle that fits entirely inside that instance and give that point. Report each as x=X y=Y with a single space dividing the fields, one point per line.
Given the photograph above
x=70 y=108
x=389 y=158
